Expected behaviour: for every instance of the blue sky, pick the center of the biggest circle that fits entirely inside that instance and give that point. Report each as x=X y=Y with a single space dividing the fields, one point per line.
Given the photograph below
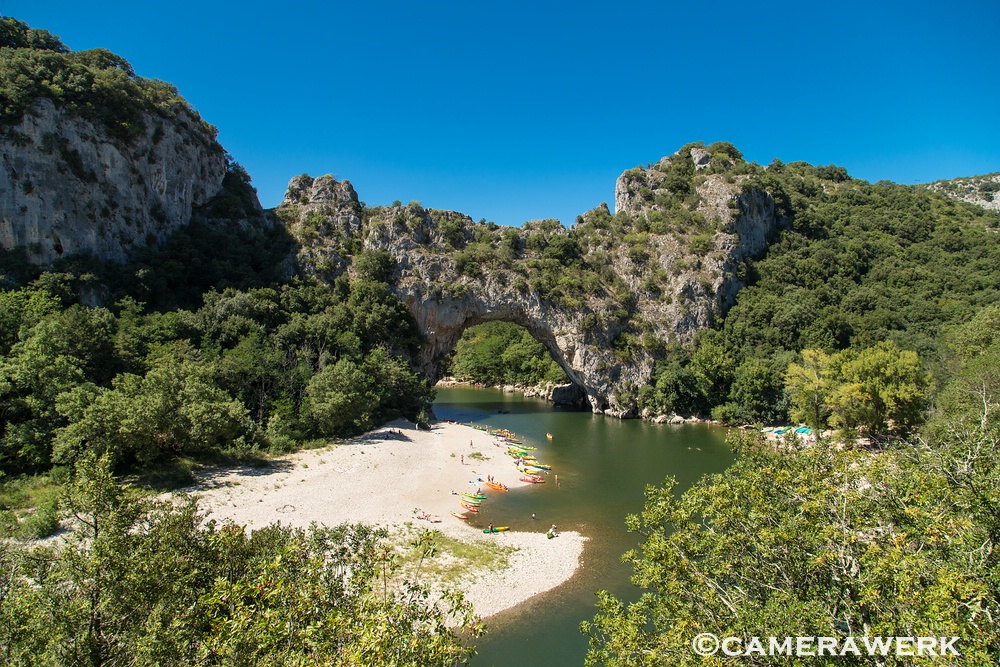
x=512 y=111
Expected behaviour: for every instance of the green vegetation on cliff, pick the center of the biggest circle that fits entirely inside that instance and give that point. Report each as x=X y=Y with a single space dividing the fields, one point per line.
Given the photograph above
x=853 y=265
x=96 y=84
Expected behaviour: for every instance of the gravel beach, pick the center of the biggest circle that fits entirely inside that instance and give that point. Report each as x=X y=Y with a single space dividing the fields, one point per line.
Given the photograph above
x=384 y=478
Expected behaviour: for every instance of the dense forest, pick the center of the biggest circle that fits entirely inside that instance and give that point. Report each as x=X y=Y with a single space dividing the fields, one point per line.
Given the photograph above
x=873 y=310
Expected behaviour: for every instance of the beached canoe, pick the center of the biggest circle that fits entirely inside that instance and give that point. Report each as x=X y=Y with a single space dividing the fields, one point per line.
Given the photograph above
x=460 y=516
x=474 y=496
x=534 y=479
x=497 y=487
x=497 y=529
x=469 y=508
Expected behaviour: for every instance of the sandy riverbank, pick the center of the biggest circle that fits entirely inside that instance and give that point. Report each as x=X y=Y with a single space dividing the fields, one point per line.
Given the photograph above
x=383 y=478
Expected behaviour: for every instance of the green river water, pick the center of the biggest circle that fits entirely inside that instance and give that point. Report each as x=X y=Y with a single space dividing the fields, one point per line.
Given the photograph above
x=603 y=465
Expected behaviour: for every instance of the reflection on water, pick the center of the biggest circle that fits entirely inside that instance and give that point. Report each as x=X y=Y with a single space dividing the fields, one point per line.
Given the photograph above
x=603 y=465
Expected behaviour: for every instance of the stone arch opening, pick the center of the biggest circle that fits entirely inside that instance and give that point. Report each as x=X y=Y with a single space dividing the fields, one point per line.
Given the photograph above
x=443 y=340
x=503 y=353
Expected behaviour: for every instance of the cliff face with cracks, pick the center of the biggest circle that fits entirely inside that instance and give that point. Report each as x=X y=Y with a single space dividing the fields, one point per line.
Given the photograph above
x=605 y=297
x=67 y=187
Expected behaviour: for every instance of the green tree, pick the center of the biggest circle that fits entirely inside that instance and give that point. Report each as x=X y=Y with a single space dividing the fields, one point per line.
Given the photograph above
x=340 y=399
x=876 y=386
x=175 y=409
x=144 y=582
x=809 y=386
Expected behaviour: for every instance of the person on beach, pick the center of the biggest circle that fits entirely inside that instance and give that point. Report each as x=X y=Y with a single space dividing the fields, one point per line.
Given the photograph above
x=552 y=532
x=463 y=459
x=491 y=529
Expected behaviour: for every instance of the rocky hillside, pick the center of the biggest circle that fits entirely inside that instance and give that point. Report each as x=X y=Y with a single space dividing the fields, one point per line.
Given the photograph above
x=982 y=191
x=94 y=159
x=67 y=187
x=605 y=296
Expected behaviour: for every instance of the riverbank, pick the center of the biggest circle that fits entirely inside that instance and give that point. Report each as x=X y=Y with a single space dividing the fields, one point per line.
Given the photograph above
x=543 y=390
x=389 y=477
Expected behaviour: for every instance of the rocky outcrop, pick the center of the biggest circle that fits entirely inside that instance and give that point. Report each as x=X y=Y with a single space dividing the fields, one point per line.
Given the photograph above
x=67 y=187
x=654 y=285
x=983 y=191
x=323 y=215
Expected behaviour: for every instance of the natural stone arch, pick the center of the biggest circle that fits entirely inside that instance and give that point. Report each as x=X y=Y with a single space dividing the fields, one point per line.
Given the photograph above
x=444 y=324
x=431 y=251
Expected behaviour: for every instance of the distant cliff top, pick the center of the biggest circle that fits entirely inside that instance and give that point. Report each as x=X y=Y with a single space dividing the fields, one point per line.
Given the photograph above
x=979 y=190
x=96 y=84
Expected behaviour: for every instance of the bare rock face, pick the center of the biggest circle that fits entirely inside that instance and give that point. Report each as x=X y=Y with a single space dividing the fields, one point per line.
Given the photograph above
x=646 y=289
x=67 y=187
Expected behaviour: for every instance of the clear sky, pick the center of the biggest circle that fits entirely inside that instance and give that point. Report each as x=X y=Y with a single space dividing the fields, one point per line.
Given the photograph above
x=513 y=110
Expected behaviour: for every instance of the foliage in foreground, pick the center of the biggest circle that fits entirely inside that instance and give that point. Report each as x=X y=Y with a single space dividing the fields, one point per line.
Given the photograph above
x=817 y=542
x=142 y=582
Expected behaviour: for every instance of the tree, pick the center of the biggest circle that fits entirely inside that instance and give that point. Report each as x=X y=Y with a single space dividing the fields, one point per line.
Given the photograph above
x=175 y=409
x=809 y=386
x=341 y=399
x=878 y=386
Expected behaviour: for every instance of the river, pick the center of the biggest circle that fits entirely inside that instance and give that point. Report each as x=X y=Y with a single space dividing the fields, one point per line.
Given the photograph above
x=603 y=465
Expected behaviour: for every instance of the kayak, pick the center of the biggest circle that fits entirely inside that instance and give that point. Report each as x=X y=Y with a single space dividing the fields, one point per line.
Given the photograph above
x=497 y=529
x=469 y=508
x=460 y=516
x=475 y=496
x=534 y=479
x=498 y=487
x=469 y=501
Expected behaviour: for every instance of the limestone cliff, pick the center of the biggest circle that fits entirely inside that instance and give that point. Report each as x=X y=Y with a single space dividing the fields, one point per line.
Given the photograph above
x=981 y=191
x=68 y=187
x=605 y=297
